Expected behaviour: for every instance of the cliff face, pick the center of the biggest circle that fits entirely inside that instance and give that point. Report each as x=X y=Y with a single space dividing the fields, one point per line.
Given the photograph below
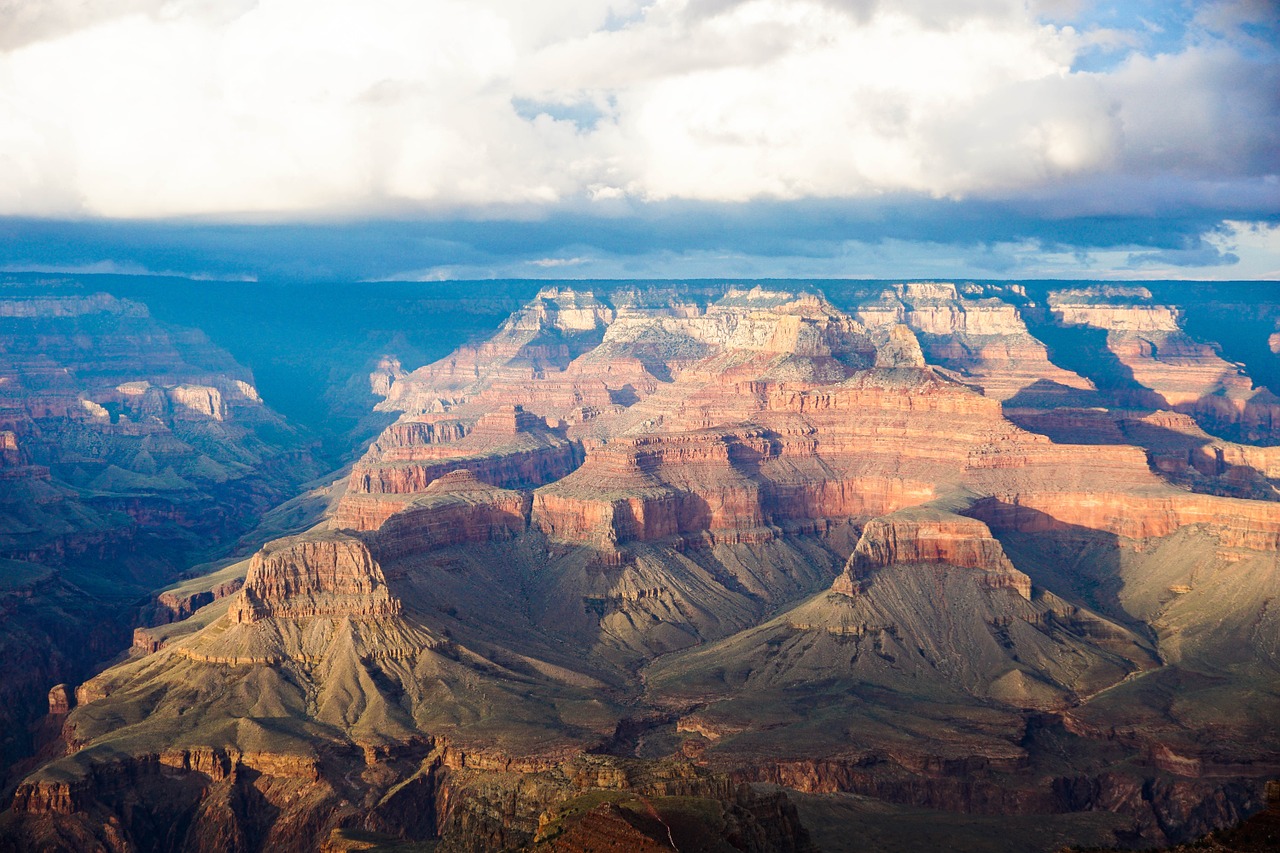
x=1235 y=523
x=175 y=607
x=902 y=547
x=1144 y=357
x=982 y=338
x=543 y=337
x=504 y=447
x=330 y=576
x=456 y=509
x=923 y=536
x=127 y=448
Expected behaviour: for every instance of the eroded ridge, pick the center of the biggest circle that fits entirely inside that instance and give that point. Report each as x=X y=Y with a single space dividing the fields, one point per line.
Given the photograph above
x=901 y=547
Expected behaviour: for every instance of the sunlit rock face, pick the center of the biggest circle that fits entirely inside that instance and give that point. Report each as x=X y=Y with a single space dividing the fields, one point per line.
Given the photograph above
x=923 y=537
x=983 y=549
x=1147 y=357
x=333 y=576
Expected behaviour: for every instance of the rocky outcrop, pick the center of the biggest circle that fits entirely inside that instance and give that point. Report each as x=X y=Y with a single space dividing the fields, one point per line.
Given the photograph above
x=505 y=447
x=1256 y=834
x=402 y=440
x=755 y=320
x=627 y=501
x=675 y=807
x=523 y=466
x=900 y=349
x=178 y=605
x=1116 y=318
x=1177 y=448
x=930 y=536
x=330 y=575
x=1159 y=810
x=386 y=374
x=198 y=401
x=455 y=509
x=608 y=827
x=61 y=700
x=40 y=307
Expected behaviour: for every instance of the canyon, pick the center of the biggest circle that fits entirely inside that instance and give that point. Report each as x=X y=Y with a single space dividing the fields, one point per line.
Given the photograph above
x=129 y=447
x=655 y=567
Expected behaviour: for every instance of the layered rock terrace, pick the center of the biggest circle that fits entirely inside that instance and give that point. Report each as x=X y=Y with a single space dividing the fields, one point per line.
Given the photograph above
x=900 y=547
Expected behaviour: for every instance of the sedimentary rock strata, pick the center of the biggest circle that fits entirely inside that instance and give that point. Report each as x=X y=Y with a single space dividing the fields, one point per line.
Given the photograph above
x=888 y=541
x=127 y=447
x=1147 y=359
x=982 y=338
x=923 y=536
x=330 y=576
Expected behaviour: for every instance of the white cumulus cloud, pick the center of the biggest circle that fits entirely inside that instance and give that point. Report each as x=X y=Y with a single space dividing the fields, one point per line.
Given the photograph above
x=161 y=108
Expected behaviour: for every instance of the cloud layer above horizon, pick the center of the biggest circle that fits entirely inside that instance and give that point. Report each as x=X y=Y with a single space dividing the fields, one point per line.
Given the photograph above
x=596 y=114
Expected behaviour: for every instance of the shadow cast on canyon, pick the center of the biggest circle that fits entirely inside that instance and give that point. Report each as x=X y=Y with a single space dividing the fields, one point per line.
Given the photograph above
x=1078 y=564
x=1084 y=351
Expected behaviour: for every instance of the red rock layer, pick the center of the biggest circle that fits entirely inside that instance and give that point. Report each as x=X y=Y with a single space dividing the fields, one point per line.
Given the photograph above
x=1252 y=525
x=455 y=509
x=507 y=446
x=528 y=466
x=858 y=448
x=174 y=607
x=332 y=575
x=929 y=536
x=403 y=440
x=1176 y=447
x=386 y=490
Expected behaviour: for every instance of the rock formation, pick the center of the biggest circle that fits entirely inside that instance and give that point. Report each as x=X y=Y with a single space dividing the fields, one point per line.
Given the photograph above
x=923 y=536
x=982 y=338
x=982 y=548
x=127 y=448
x=333 y=575
x=1146 y=359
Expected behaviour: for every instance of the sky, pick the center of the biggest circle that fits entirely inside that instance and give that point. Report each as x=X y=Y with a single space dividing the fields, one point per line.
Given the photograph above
x=462 y=139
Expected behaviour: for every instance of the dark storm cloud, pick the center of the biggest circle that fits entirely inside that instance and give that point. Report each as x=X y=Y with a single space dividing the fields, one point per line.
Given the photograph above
x=812 y=229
